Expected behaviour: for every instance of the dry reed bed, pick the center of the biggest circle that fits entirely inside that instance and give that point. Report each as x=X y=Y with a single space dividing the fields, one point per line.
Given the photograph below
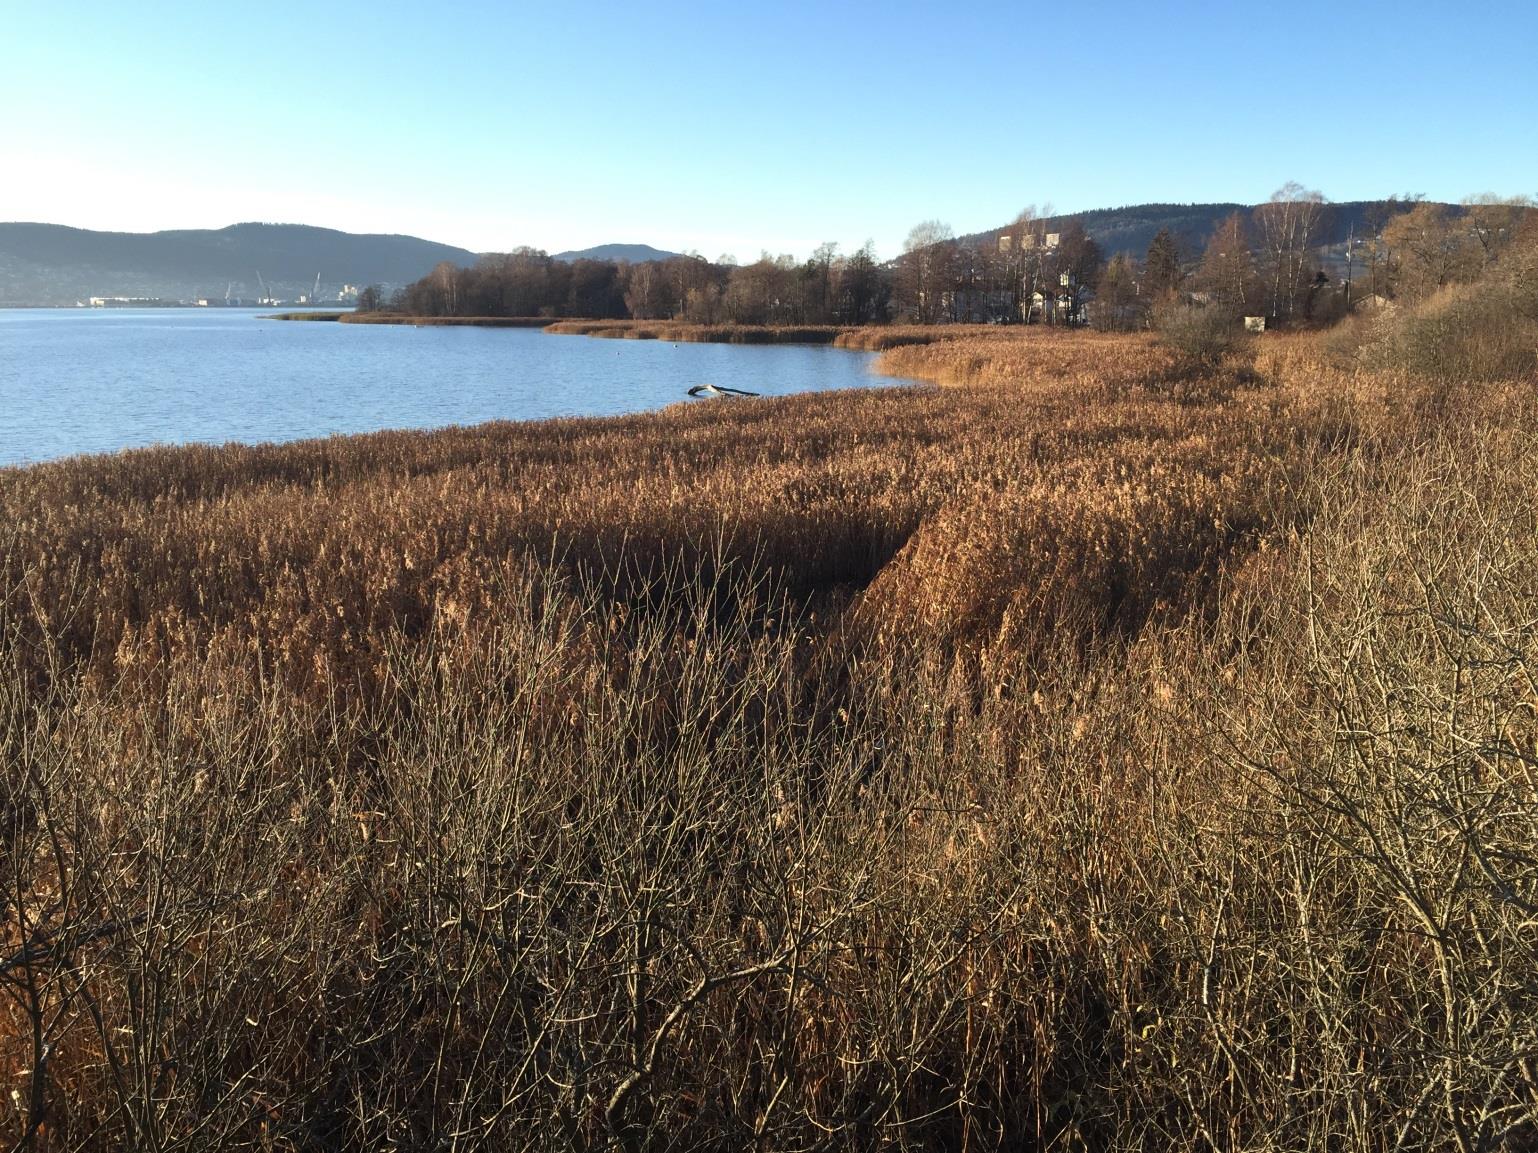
x=685 y=332
x=1046 y=766
x=879 y=338
x=1005 y=356
x=438 y=321
x=318 y=551
x=873 y=338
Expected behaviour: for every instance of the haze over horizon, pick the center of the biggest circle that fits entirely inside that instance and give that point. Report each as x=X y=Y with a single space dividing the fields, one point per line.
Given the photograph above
x=690 y=127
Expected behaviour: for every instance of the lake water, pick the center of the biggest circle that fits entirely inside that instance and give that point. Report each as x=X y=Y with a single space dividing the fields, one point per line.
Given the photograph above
x=97 y=380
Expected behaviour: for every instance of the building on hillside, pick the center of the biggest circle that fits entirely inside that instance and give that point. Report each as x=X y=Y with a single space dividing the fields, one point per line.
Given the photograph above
x=1028 y=241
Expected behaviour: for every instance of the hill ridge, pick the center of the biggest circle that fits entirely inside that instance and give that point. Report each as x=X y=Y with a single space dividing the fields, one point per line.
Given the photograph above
x=629 y=253
x=1132 y=227
x=61 y=264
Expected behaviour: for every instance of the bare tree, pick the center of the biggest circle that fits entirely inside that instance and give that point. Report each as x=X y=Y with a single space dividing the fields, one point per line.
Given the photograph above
x=1494 y=221
x=1288 y=225
x=1227 y=272
x=924 y=271
x=1432 y=247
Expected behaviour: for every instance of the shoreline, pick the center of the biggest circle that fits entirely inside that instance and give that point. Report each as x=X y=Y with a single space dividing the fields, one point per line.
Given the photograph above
x=415 y=321
x=860 y=338
x=940 y=359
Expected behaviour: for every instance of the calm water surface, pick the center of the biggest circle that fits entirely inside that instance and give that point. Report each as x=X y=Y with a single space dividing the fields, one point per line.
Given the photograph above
x=97 y=380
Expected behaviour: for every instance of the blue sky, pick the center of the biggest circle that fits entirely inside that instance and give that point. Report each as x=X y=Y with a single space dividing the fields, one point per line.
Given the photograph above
x=728 y=128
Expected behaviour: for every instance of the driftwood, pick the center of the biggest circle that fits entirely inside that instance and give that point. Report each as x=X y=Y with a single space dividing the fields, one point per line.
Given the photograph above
x=718 y=390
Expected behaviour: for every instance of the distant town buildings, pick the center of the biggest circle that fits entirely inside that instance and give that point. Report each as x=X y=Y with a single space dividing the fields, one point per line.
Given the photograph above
x=346 y=294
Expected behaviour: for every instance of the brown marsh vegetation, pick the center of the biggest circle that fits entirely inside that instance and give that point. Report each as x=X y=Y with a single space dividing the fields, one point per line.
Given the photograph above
x=868 y=338
x=1104 y=753
x=684 y=332
x=434 y=321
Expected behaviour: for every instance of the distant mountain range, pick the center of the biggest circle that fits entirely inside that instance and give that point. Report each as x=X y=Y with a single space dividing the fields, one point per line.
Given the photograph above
x=53 y=264
x=627 y=253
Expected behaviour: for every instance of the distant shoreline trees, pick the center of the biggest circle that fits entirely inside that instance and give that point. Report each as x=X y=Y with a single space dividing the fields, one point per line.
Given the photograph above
x=1271 y=261
x=828 y=288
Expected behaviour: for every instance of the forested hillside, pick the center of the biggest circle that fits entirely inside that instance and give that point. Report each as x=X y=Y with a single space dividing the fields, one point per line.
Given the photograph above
x=53 y=264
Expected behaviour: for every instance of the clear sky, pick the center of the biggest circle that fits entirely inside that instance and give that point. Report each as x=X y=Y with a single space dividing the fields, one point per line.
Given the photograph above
x=732 y=128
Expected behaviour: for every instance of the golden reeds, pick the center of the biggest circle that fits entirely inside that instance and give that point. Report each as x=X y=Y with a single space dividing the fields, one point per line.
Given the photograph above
x=1061 y=760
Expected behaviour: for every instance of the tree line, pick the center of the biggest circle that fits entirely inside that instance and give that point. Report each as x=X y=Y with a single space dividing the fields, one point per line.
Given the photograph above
x=827 y=288
x=1287 y=261
x=1271 y=261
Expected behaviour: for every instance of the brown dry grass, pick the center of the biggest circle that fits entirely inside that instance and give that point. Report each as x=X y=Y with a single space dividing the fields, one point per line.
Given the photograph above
x=439 y=321
x=688 y=333
x=872 y=338
x=1061 y=761
x=1080 y=361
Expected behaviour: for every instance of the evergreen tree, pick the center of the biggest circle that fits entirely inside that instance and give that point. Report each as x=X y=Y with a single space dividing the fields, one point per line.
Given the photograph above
x=1117 y=306
x=1161 y=272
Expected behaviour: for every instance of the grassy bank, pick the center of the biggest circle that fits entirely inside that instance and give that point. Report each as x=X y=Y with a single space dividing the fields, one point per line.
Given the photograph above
x=1083 y=756
x=682 y=332
x=871 y=338
x=445 y=321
